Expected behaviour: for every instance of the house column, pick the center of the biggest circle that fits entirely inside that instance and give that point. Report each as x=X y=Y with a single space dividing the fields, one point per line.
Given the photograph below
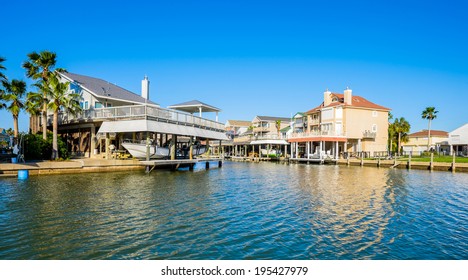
x=320 y=149
x=285 y=150
x=173 y=146
x=200 y=112
x=216 y=116
x=93 y=140
x=307 y=148
x=191 y=148
x=336 y=150
x=297 y=149
x=107 y=145
x=148 y=146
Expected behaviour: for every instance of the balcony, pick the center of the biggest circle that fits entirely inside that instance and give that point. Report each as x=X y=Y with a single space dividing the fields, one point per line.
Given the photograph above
x=368 y=135
x=138 y=112
x=316 y=134
x=261 y=129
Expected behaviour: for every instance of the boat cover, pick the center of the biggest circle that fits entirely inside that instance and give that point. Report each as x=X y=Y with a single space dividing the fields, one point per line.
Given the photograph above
x=159 y=127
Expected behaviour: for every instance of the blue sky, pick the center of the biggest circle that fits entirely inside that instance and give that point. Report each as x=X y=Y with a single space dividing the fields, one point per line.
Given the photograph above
x=256 y=57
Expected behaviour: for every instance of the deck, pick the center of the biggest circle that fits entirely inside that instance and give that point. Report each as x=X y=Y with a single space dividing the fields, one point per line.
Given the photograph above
x=177 y=163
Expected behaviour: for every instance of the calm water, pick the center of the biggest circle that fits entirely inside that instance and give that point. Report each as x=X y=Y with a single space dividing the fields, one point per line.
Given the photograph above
x=240 y=211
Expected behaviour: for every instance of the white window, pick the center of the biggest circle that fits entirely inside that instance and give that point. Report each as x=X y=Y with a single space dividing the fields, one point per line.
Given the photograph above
x=86 y=105
x=374 y=114
x=374 y=128
x=97 y=105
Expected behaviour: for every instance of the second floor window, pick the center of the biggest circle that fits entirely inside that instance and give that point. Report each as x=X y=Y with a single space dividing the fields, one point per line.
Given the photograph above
x=97 y=105
x=374 y=128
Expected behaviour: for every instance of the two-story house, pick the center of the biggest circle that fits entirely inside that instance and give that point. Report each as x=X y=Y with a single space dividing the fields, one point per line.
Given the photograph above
x=417 y=142
x=342 y=124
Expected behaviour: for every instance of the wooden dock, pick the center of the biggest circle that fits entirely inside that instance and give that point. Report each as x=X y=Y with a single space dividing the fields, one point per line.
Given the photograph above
x=177 y=163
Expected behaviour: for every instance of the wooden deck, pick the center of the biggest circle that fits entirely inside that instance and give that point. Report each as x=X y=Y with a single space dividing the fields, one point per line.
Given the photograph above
x=177 y=163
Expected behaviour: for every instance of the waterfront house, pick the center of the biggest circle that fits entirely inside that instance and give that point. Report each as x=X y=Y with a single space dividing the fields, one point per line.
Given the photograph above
x=458 y=140
x=234 y=128
x=263 y=137
x=299 y=122
x=111 y=114
x=417 y=142
x=342 y=125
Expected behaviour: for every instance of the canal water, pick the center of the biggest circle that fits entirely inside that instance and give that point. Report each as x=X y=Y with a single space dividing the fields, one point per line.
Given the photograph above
x=239 y=211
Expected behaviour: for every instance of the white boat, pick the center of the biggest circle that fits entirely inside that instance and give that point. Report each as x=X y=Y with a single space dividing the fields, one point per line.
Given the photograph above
x=270 y=152
x=138 y=150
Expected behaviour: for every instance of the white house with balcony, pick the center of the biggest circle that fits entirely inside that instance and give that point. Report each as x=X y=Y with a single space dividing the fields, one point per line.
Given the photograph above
x=111 y=114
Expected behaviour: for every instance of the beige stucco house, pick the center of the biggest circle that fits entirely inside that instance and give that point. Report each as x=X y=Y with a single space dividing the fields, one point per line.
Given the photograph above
x=343 y=125
x=417 y=142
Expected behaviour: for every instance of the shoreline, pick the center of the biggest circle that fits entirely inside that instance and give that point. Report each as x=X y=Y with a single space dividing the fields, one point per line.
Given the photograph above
x=114 y=165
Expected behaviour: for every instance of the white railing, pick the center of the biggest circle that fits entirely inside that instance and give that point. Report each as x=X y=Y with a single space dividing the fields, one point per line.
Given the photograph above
x=139 y=111
x=316 y=134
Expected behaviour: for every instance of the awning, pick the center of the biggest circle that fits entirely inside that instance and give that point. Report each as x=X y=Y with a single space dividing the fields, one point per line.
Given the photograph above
x=272 y=142
x=159 y=127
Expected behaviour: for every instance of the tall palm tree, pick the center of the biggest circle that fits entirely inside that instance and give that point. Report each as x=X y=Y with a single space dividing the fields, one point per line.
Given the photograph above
x=60 y=98
x=14 y=92
x=429 y=113
x=401 y=127
x=39 y=67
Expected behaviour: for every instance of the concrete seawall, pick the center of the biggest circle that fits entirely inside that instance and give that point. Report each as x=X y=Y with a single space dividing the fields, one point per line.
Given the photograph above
x=71 y=166
x=437 y=166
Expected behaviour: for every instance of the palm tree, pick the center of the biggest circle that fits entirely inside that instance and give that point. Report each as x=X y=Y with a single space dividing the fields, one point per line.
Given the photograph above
x=2 y=76
x=391 y=132
x=39 y=67
x=429 y=113
x=278 y=126
x=14 y=92
x=32 y=107
x=401 y=127
x=60 y=98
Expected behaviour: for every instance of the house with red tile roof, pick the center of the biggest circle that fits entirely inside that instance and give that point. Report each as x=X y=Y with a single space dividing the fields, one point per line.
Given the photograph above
x=342 y=125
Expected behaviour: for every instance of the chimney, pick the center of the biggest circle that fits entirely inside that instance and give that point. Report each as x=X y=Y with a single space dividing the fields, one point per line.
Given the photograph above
x=348 y=96
x=326 y=98
x=145 y=88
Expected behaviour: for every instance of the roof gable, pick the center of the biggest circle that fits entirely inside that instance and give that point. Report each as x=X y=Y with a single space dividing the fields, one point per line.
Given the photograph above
x=104 y=89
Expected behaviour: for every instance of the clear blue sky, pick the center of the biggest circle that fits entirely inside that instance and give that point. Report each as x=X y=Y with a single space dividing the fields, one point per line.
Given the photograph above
x=256 y=57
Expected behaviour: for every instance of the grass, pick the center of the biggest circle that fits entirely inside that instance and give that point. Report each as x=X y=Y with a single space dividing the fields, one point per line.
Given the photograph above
x=437 y=159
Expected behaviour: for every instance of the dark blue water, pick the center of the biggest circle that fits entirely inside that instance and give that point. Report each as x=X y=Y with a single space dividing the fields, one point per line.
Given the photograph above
x=240 y=211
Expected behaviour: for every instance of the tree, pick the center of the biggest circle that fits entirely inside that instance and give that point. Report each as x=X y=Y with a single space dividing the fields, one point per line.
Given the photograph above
x=14 y=92
x=401 y=127
x=429 y=114
x=391 y=132
x=39 y=67
x=2 y=76
x=278 y=126
x=60 y=98
x=32 y=107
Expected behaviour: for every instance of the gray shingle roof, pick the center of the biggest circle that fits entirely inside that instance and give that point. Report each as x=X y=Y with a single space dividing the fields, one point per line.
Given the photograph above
x=105 y=89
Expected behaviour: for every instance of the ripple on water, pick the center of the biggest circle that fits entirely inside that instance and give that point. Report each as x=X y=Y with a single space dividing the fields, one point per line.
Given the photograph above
x=241 y=211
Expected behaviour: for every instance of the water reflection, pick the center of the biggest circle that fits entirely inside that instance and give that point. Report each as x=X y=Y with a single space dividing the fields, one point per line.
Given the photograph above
x=241 y=211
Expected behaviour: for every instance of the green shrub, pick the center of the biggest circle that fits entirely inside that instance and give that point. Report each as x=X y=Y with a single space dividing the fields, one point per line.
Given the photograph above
x=36 y=148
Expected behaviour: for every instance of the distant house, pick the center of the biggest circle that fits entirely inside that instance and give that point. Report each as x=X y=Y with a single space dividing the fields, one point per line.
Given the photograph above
x=417 y=142
x=299 y=122
x=265 y=126
x=458 y=140
x=235 y=128
x=4 y=137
